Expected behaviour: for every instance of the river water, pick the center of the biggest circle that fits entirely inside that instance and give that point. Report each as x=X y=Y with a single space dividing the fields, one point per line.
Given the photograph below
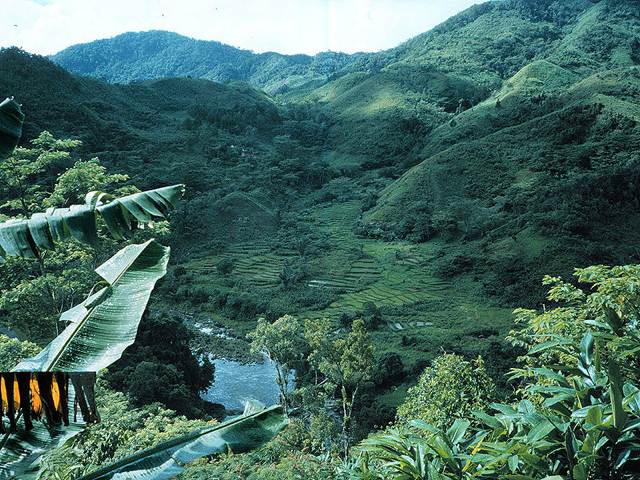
x=235 y=383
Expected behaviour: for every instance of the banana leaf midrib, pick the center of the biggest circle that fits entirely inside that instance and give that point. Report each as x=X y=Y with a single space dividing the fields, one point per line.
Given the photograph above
x=63 y=349
x=81 y=323
x=173 y=443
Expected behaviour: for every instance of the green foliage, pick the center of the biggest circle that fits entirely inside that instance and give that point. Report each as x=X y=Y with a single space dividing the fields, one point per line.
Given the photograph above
x=85 y=345
x=164 y=460
x=502 y=141
x=72 y=186
x=225 y=266
x=346 y=363
x=577 y=416
x=33 y=297
x=450 y=388
x=284 y=343
x=21 y=174
x=13 y=351
x=160 y=367
x=124 y=429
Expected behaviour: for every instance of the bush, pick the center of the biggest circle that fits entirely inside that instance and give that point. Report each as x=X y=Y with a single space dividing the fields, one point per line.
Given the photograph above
x=371 y=316
x=225 y=266
x=390 y=370
x=451 y=388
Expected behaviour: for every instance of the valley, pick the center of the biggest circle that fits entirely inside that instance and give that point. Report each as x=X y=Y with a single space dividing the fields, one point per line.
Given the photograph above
x=423 y=192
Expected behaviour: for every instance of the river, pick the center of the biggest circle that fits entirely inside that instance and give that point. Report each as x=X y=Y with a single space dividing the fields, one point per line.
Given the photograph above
x=235 y=382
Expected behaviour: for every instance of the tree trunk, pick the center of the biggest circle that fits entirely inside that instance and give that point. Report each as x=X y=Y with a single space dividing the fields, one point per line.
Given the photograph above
x=347 y=411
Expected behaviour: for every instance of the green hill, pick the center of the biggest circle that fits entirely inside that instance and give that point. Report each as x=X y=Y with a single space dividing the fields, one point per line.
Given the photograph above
x=158 y=54
x=433 y=184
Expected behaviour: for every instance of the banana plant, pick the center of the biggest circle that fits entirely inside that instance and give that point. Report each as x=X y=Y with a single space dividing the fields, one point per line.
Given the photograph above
x=11 y=119
x=167 y=459
x=26 y=237
x=585 y=419
x=433 y=453
x=98 y=331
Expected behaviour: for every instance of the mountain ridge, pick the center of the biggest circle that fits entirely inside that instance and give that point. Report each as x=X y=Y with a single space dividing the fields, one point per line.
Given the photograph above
x=136 y=56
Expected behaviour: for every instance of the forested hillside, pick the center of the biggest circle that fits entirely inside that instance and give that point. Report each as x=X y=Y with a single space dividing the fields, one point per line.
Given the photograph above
x=398 y=203
x=157 y=54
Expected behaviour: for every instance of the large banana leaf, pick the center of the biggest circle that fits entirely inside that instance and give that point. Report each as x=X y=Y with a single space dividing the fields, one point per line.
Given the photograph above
x=11 y=118
x=20 y=452
x=107 y=322
x=167 y=459
x=25 y=238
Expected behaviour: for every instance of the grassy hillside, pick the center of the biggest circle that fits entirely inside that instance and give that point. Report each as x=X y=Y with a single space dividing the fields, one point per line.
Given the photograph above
x=157 y=54
x=267 y=197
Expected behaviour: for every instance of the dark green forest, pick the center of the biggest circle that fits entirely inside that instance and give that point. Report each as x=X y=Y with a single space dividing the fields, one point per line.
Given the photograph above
x=370 y=221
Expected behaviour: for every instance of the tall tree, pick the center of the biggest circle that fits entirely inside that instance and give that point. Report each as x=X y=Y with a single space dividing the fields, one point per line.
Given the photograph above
x=284 y=343
x=346 y=362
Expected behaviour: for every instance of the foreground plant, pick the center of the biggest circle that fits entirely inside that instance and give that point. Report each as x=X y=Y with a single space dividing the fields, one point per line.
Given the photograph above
x=164 y=461
x=578 y=416
x=98 y=331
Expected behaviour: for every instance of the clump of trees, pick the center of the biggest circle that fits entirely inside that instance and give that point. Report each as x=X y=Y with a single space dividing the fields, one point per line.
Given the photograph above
x=337 y=367
x=160 y=367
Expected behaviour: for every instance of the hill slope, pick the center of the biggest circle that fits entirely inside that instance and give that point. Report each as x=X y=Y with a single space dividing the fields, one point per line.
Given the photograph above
x=437 y=181
x=513 y=180
x=158 y=54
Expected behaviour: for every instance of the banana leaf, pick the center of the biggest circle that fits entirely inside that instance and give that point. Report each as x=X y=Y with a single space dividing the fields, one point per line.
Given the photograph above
x=11 y=118
x=107 y=322
x=20 y=452
x=25 y=238
x=167 y=459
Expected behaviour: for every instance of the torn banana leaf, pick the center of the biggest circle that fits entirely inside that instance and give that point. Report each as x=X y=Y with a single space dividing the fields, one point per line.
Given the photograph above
x=168 y=459
x=20 y=452
x=106 y=323
x=11 y=119
x=25 y=238
x=122 y=214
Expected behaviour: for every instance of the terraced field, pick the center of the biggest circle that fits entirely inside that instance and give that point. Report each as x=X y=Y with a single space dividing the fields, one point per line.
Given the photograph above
x=390 y=274
x=255 y=264
x=384 y=273
x=362 y=271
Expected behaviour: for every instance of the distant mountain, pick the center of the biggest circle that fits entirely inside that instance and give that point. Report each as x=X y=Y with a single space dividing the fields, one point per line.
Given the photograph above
x=140 y=128
x=158 y=54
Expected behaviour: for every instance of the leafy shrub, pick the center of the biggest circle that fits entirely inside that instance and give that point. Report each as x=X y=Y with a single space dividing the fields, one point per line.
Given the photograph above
x=225 y=266
x=389 y=370
x=578 y=408
x=451 y=388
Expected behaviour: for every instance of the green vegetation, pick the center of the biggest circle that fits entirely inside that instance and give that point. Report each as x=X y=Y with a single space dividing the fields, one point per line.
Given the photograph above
x=451 y=388
x=98 y=330
x=369 y=221
x=576 y=414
